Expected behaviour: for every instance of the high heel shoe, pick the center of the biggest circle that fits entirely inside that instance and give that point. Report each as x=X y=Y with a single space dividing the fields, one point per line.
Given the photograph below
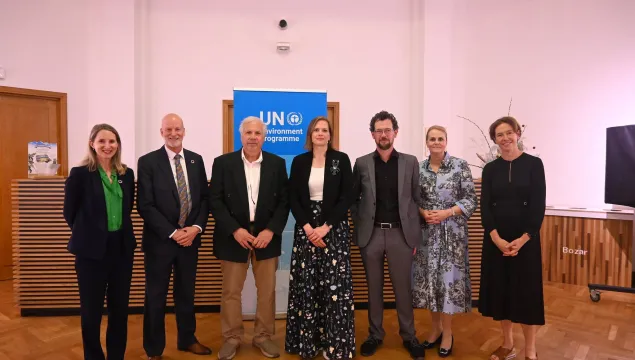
x=428 y=345
x=446 y=352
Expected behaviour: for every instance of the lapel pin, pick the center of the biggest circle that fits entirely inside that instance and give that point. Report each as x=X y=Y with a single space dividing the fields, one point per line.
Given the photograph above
x=335 y=167
x=192 y=161
x=121 y=182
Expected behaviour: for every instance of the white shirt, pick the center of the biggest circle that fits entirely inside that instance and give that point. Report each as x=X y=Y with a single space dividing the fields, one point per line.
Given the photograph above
x=316 y=184
x=252 y=177
x=171 y=155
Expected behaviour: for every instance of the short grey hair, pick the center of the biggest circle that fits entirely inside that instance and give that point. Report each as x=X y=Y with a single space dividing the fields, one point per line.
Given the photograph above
x=251 y=119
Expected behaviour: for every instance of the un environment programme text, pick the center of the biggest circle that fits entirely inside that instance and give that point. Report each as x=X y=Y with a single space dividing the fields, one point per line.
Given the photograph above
x=276 y=135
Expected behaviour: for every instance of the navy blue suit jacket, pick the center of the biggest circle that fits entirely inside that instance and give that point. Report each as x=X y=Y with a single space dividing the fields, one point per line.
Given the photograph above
x=85 y=212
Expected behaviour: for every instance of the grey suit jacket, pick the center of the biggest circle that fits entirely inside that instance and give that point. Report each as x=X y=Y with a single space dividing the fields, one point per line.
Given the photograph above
x=364 y=191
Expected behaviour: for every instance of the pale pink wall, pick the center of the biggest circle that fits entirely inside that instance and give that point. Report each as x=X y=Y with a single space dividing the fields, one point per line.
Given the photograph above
x=569 y=65
x=129 y=62
x=84 y=49
x=199 y=50
x=46 y=49
x=111 y=59
x=444 y=71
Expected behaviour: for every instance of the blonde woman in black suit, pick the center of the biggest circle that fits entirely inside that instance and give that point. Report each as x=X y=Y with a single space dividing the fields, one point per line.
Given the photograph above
x=98 y=199
x=320 y=315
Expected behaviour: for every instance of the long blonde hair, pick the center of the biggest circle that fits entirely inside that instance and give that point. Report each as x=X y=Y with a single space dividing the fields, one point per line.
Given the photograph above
x=91 y=156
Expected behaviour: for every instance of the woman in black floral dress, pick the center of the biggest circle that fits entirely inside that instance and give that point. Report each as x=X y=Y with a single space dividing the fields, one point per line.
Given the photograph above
x=320 y=314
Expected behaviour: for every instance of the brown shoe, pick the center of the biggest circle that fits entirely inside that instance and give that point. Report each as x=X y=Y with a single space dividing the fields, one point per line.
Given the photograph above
x=198 y=349
x=228 y=350
x=268 y=348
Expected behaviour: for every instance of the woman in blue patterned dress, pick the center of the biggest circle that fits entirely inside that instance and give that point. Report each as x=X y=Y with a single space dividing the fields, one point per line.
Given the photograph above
x=441 y=272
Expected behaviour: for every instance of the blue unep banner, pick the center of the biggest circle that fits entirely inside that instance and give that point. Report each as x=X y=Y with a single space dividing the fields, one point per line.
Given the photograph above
x=287 y=114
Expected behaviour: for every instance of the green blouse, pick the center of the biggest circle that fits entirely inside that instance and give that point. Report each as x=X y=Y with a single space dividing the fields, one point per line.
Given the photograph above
x=114 y=199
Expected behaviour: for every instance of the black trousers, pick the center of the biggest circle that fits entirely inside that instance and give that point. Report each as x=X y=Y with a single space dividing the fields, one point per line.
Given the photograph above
x=110 y=278
x=159 y=262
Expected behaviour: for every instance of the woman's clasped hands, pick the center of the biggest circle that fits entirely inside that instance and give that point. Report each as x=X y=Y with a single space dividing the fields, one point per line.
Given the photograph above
x=435 y=216
x=509 y=248
x=316 y=235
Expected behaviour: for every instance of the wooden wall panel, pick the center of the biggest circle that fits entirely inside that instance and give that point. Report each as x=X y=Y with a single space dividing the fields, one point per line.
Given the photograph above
x=581 y=251
x=475 y=245
x=44 y=275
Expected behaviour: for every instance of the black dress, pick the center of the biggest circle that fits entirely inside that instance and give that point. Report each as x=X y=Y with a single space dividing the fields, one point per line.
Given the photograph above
x=513 y=202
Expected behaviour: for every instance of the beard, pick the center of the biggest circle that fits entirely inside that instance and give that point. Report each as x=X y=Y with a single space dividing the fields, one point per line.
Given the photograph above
x=175 y=142
x=384 y=144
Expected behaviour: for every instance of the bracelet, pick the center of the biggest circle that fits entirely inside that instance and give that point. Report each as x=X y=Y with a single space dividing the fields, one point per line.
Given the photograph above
x=452 y=210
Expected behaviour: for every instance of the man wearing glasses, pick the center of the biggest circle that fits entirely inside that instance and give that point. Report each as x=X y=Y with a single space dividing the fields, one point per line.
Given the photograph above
x=248 y=200
x=387 y=224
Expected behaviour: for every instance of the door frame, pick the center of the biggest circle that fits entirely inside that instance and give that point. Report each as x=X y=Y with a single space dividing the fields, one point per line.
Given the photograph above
x=61 y=98
x=228 y=125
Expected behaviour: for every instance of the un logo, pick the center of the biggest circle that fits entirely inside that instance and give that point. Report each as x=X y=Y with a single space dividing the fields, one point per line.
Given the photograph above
x=294 y=118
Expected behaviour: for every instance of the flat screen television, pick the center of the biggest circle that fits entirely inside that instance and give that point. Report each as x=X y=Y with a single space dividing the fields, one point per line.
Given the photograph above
x=619 y=184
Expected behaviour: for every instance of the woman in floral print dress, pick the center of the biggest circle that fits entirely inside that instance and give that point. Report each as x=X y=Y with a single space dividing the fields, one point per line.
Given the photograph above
x=441 y=276
x=320 y=313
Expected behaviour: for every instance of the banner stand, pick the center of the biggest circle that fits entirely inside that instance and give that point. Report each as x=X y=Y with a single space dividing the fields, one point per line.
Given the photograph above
x=287 y=114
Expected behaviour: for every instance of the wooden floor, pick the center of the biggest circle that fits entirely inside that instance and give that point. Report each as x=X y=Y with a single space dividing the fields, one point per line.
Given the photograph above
x=576 y=329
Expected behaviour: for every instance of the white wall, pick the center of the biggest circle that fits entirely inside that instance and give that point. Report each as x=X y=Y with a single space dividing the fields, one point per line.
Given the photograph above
x=569 y=66
x=80 y=48
x=44 y=48
x=200 y=50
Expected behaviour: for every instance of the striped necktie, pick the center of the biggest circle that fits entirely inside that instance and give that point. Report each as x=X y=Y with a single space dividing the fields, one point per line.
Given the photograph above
x=182 y=188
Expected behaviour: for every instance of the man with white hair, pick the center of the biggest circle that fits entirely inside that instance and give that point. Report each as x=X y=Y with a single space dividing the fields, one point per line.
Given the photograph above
x=248 y=200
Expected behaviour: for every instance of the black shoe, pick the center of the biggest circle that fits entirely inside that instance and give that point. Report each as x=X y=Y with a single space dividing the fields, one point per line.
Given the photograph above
x=429 y=345
x=416 y=350
x=446 y=352
x=369 y=347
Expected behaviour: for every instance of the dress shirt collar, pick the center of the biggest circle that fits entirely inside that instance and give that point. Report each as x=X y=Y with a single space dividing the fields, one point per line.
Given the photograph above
x=172 y=154
x=445 y=162
x=393 y=153
x=259 y=160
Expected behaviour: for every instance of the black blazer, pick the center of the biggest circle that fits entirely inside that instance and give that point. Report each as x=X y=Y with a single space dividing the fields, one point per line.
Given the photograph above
x=338 y=186
x=158 y=199
x=85 y=212
x=228 y=202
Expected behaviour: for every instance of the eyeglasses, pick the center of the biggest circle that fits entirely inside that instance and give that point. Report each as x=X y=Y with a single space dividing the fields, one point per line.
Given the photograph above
x=383 y=131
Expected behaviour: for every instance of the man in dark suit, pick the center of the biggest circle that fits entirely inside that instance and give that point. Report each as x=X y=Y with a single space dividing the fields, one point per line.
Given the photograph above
x=387 y=224
x=249 y=202
x=172 y=200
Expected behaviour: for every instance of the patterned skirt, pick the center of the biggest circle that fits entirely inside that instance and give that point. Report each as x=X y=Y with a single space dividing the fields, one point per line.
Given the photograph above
x=320 y=313
x=441 y=270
